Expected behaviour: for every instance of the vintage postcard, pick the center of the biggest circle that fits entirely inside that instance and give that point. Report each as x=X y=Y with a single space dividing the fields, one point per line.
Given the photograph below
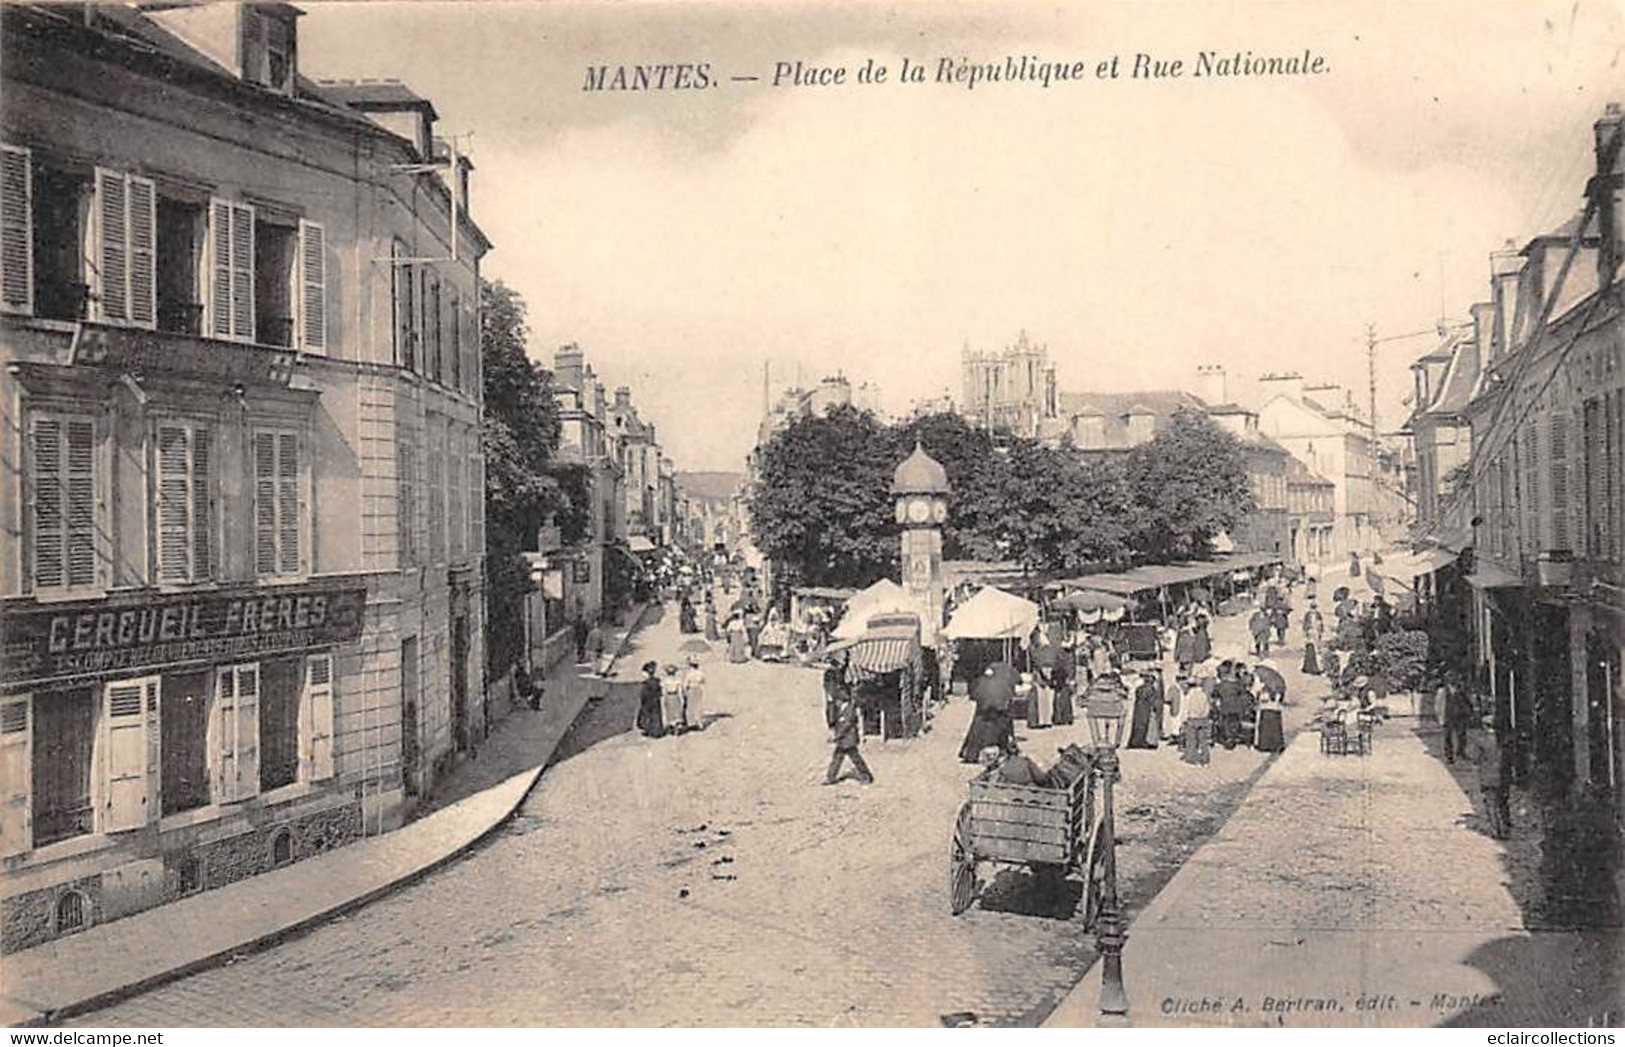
x=835 y=514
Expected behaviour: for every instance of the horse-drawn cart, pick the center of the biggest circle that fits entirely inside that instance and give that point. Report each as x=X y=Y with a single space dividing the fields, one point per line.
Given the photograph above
x=1054 y=831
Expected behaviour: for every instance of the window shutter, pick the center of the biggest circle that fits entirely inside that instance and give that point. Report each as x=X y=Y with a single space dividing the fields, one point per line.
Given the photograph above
x=50 y=516
x=247 y=738
x=288 y=503
x=142 y=239
x=124 y=801
x=202 y=507
x=242 y=273
x=16 y=230
x=81 y=501
x=223 y=744
x=111 y=275
x=16 y=762
x=1558 y=438
x=220 y=268
x=312 y=286
x=316 y=754
x=174 y=504
x=265 y=503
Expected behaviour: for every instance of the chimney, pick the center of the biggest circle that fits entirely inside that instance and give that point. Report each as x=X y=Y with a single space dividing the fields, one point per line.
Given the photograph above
x=1607 y=187
x=1289 y=383
x=623 y=396
x=1484 y=330
x=1506 y=269
x=1329 y=395
x=1211 y=384
x=567 y=367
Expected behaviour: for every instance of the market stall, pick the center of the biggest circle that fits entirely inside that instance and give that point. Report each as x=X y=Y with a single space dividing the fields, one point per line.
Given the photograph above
x=885 y=668
x=991 y=626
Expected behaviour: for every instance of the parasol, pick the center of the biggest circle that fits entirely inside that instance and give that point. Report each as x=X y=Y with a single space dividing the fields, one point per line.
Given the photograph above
x=995 y=688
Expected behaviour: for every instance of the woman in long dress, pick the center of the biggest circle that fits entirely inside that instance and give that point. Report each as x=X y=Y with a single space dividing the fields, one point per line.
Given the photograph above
x=1146 y=731
x=1063 y=676
x=712 y=633
x=671 y=700
x=649 y=719
x=990 y=727
x=738 y=641
x=1040 y=701
x=694 y=696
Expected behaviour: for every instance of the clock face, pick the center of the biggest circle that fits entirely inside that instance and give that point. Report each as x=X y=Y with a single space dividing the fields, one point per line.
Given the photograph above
x=919 y=510
x=939 y=511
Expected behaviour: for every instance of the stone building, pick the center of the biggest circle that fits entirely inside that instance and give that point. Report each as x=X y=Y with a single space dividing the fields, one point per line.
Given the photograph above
x=1012 y=389
x=1320 y=427
x=241 y=589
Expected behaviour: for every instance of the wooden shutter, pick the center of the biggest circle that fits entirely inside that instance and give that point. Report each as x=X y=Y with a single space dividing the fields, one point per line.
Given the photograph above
x=231 y=270
x=223 y=736
x=16 y=230
x=142 y=199
x=64 y=493
x=312 y=287
x=287 y=500
x=129 y=709
x=110 y=276
x=316 y=752
x=202 y=506
x=174 y=503
x=237 y=733
x=454 y=309
x=265 y=502
x=81 y=501
x=1558 y=453
x=16 y=763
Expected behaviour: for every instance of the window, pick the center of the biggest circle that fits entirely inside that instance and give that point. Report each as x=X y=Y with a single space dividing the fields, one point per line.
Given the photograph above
x=281 y=689
x=433 y=325
x=455 y=315
x=63 y=495
x=185 y=704
x=316 y=720
x=406 y=501
x=237 y=733
x=180 y=226
x=16 y=753
x=277 y=503
x=275 y=246
x=63 y=741
x=61 y=217
x=269 y=51
x=231 y=271
x=436 y=433
x=183 y=503
x=402 y=279
x=123 y=286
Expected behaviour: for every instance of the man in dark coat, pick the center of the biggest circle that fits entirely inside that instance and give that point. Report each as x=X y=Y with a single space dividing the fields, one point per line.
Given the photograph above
x=846 y=736
x=579 y=630
x=1259 y=626
x=1459 y=719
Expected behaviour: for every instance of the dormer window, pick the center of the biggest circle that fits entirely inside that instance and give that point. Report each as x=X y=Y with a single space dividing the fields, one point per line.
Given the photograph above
x=270 y=48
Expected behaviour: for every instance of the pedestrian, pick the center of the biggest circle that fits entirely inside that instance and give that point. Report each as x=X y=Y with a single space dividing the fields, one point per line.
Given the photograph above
x=1146 y=729
x=1204 y=644
x=1259 y=626
x=1281 y=619
x=1040 y=700
x=738 y=640
x=694 y=695
x=1062 y=676
x=835 y=688
x=712 y=633
x=671 y=700
x=1492 y=779
x=579 y=631
x=649 y=719
x=1195 y=709
x=845 y=736
x=1185 y=646
x=1458 y=720
x=1233 y=700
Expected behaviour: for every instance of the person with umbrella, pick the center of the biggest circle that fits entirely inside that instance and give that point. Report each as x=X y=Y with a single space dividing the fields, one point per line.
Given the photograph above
x=1268 y=735
x=991 y=725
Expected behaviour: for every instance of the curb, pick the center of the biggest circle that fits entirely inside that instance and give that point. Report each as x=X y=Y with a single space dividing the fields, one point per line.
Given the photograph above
x=270 y=939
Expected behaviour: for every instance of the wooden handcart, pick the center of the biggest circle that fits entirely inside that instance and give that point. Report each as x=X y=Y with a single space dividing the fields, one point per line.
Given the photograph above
x=1054 y=832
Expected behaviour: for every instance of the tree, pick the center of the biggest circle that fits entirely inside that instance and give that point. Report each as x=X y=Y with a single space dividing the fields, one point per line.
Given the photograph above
x=519 y=434
x=1187 y=484
x=821 y=508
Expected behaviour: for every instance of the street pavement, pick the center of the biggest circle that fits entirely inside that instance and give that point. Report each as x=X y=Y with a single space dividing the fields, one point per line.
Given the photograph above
x=711 y=879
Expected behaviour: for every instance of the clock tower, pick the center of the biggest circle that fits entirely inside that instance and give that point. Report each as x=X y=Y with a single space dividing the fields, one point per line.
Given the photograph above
x=920 y=486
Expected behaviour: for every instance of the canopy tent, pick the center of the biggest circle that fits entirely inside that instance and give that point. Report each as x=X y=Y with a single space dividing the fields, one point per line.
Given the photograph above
x=890 y=642
x=883 y=597
x=993 y=614
x=1090 y=600
x=640 y=544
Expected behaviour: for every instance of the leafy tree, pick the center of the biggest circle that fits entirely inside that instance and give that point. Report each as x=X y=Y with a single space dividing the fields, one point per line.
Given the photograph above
x=519 y=435
x=1187 y=484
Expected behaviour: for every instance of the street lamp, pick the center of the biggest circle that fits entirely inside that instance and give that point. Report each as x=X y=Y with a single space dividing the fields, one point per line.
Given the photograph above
x=1105 y=712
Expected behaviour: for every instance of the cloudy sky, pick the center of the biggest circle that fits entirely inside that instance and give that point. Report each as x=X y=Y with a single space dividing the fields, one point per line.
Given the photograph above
x=1139 y=228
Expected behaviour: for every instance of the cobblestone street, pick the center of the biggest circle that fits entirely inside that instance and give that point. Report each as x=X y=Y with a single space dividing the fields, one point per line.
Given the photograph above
x=711 y=879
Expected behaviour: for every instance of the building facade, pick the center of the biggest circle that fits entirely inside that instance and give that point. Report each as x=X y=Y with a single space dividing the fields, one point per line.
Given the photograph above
x=241 y=587
x=1012 y=389
x=1319 y=427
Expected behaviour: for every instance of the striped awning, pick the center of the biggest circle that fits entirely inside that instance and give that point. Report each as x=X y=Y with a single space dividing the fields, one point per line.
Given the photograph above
x=885 y=656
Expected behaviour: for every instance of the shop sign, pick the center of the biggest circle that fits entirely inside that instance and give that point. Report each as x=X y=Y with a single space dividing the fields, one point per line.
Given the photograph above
x=47 y=645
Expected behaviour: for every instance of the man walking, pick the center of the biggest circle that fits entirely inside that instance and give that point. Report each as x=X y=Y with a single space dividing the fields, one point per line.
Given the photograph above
x=579 y=630
x=1259 y=626
x=1492 y=780
x=1458 y=719
x=845 y=735
x=1196 y=709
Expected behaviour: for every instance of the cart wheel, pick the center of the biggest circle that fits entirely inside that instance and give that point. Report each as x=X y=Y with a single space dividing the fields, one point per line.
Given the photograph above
x=1093 y=870
x=961 y=865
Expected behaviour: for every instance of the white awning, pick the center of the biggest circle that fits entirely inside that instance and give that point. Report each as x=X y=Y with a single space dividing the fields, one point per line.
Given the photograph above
x=640 y=544
x=1488 y=576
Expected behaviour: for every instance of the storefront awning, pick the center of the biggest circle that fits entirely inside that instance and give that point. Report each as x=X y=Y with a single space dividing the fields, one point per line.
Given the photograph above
x=640 y=544
x=1488 y=576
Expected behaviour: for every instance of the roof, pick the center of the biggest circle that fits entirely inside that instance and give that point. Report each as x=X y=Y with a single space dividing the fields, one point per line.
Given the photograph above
x=1299 y=473
x=1115 y=409
x=1229 y=408
x=384 y=95
x=920 y=474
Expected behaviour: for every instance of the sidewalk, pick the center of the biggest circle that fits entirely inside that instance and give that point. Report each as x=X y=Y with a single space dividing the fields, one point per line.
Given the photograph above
x=1350 y=891
x=118 y=959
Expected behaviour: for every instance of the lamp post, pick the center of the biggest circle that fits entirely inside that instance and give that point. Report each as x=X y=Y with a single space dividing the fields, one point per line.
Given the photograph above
x=1105 y=712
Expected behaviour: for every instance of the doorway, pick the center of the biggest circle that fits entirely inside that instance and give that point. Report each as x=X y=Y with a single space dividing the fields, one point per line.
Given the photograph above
x=459 y=682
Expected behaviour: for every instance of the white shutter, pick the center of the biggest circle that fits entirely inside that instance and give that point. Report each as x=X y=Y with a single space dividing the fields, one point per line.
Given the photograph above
x=242 y=273
x=16 y=761
x=265 y=559
x=16 y=230
x=110 y=273
x=220 y=268
x=125 y=715
x=316 y=750
x=287 y=501
x=247 y=740
x=50 y=535
x=312 y=297
x=223 y=736
x=231 y=270
x=174 y=503
x=142 y=239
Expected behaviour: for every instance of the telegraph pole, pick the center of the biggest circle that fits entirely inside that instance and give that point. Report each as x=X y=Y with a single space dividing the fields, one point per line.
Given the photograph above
x=1371 y=381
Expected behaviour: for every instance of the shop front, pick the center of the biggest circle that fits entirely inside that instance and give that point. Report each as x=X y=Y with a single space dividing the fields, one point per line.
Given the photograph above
x=155 y=745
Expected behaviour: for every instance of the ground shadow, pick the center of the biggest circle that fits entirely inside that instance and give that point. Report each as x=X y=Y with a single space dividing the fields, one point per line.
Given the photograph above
x=613 y=710
x=1030 y=892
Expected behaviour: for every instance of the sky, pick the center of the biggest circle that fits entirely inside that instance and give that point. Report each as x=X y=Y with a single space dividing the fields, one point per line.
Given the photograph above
x=1138 y=228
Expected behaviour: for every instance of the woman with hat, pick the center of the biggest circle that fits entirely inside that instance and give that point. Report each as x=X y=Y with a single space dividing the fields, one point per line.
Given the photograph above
x=649 y=720
x=694 y=695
